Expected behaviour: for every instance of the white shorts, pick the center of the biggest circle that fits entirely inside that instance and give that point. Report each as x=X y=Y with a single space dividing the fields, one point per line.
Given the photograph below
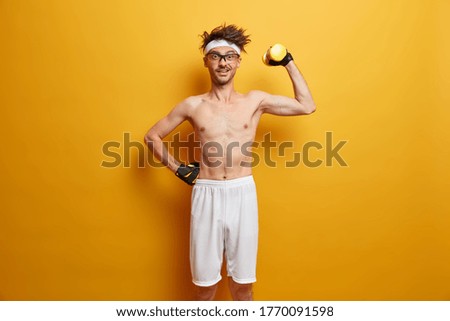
x=224 y=218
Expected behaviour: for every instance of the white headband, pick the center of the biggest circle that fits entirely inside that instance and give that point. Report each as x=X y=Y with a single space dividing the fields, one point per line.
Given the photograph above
x=221 y=43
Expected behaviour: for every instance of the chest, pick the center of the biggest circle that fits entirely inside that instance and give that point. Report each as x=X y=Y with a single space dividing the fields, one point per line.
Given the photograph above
x=212 y=121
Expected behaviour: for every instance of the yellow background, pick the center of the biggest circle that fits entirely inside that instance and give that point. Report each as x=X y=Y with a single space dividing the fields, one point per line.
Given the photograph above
x=77 y=74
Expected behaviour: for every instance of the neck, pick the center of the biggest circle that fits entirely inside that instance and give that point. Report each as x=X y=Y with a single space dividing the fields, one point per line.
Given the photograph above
x=222 y=92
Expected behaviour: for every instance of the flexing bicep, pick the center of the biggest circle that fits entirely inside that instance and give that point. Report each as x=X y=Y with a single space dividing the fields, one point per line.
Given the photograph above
x=281 y=105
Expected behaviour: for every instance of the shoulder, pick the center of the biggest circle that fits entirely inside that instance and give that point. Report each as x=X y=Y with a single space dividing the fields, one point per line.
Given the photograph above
x=188 y=105
x=191 y=102
x=257 y=95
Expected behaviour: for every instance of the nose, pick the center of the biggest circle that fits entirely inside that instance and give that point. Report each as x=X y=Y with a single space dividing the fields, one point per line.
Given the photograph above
x=224 y=61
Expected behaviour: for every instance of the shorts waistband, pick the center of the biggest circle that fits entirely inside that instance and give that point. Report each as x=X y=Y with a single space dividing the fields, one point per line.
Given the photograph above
x=224 y=183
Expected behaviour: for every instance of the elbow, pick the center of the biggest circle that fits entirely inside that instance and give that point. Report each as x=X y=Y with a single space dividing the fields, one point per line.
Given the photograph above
x=306 y=107
x=309 y=109
x=149 y=139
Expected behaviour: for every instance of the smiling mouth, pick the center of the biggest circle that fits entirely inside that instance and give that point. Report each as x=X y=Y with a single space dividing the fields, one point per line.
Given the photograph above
x=222 y=72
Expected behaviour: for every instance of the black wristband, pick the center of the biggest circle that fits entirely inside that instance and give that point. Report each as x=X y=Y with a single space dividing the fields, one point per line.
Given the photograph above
x=286 y=59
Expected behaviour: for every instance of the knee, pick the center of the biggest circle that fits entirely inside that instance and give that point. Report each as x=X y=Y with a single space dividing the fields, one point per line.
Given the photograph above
x=206 y=293
x=242 y=292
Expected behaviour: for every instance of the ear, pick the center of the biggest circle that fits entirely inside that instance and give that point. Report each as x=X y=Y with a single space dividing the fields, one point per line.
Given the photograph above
x=238 y=64
x=204 y=61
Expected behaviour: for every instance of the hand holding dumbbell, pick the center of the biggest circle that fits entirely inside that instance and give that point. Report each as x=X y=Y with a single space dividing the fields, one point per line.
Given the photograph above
x=277 y=55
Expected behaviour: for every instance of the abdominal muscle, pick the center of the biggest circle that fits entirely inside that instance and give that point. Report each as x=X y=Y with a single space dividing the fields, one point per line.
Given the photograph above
x=232 y=163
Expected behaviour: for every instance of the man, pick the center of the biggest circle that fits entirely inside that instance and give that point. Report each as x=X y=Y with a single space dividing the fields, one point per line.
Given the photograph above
x=224 y=213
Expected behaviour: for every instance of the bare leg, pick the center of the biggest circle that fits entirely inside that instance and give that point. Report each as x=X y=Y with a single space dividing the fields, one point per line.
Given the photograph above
x=206 y=293
x=240 y=292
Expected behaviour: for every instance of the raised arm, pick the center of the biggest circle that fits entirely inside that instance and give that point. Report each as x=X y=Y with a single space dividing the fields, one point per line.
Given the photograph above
x=302 y=104
x=153 y=138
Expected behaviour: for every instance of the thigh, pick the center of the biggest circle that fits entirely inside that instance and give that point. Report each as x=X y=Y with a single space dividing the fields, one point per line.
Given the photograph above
x=206 y=236
x=242 y=235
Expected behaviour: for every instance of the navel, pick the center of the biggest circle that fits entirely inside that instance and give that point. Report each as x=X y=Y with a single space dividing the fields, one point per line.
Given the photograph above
x=202 y=129
x=245 y=126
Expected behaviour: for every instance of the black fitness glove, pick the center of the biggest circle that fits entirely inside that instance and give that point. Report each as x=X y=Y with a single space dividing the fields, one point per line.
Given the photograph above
x=283 y=62
x=188 y=173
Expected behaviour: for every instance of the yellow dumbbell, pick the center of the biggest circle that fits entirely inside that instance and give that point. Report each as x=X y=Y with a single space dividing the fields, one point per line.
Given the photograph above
x=275 y=55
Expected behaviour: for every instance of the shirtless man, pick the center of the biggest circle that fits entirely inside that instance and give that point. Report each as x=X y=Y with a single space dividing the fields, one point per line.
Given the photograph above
x=224 y=213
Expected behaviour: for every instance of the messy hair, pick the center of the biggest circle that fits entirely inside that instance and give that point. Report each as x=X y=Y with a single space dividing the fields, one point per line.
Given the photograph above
x=230 y=33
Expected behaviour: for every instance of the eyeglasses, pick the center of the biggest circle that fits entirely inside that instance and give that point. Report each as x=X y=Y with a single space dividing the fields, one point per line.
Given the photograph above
x=218 y=57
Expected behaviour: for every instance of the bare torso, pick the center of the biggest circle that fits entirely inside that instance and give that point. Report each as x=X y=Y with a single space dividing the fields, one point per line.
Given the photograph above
x=226 y=131
x=225 y=121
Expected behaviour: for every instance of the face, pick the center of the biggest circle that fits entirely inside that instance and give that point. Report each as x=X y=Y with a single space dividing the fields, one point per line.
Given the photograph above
x=222 y=63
